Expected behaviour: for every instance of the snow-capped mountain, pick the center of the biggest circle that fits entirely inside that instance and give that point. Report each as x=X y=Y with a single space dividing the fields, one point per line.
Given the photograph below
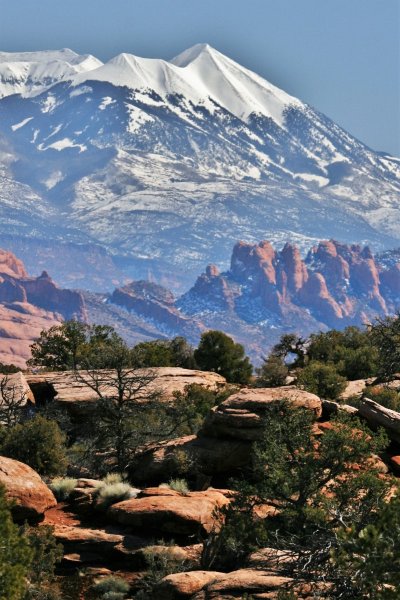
x=31 y=72
x=167 y=164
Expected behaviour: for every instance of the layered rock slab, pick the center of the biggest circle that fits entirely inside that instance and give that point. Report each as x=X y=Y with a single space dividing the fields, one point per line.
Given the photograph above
x=171 y=512
x=241 y=415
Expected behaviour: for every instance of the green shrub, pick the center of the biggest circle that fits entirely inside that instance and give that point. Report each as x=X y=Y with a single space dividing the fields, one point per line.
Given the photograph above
x=62 y=487
x=159 y=564
x=111 y=585
x=178 y=485
x=113 y=493
x=112 y=478
x=219 y=353
x=322 y=379
x=384 y=396
x=38 y=443
x=272 y=373
x=113 y=596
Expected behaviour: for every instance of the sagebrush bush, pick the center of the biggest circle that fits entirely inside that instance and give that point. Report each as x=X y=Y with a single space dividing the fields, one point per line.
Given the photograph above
x=62 y=487
x=113 y=596
x=113 y=493
x=112 y=478
x=111 y=585
x=179 y=485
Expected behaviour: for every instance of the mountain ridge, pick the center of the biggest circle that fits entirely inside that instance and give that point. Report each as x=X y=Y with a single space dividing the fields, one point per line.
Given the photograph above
x=160 y=180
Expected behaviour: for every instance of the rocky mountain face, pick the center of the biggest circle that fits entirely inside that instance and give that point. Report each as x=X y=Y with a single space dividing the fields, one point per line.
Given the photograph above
x=267 y=292
x=151 y=160
x=27 y=306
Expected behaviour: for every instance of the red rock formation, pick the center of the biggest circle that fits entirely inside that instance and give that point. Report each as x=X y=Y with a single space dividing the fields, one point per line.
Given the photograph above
x=30 y=495
x=316 y=295
x=155 y=303
x=10 y=265
x=27 y=306
x=294 y=268
x=336 y=285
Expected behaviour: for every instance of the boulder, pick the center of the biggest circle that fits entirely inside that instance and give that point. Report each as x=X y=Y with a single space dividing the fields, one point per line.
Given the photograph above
x=356 y=388
x=30 y=495
x=379 y=416
x=95 y=544
x=244 y=581
x=184 y=585
x=241 y=415
x=330 y=407
x=170 y=511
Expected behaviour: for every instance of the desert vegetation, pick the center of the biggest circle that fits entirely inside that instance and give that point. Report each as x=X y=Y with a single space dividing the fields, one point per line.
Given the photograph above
x=282 y=481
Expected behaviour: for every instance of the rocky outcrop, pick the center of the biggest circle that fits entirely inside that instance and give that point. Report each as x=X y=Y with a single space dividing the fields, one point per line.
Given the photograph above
x=27 y=306
x=165 y=510
x=334 y=286
x=240 y=417
x=30 y=496
x=379 y=416
x=20 y=324
x=223 y=445
x=185 y=585
x=10 y=265
x=67 y=389
x=157 y=304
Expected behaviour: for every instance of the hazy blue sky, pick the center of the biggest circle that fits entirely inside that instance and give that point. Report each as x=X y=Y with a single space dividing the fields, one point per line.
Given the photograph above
x=341 y=56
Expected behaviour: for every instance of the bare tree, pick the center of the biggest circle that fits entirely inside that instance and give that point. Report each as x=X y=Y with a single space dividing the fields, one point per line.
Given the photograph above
x=13 y=401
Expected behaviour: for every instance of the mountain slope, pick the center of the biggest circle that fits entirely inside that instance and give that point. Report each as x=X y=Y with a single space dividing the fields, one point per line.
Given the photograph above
x=167 y=164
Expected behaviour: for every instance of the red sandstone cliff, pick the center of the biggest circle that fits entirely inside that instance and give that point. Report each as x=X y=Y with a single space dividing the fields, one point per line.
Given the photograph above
x=27 y=306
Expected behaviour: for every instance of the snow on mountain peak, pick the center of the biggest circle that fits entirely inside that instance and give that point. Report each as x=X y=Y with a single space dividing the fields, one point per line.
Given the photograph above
x=187 y=56
x=31 y=72
x=65 y=54
x=200 y=74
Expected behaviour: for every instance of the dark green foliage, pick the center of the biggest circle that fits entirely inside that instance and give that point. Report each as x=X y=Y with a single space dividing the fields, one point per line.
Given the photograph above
x=291 y=471
x=368 y=559
x=350 y=351
x=321 y=379
x=385 y=336
x=15 y=555
x=219 y=353
x=57 y=348
x=111 y=587
x=70 y=345
x=159 y=564
x=192 y=406
x=385 y=396
x=46 y=553
x=273 y=372
x=164 y=353
x=39 y=443
x=291 y=344
x=8 y=369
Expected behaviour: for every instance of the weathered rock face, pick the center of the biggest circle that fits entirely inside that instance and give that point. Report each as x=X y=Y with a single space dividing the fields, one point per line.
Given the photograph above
x=336 y=285
x=169 y=511
x=27 y=306
x=223 y=445
x=240 y=417
x=185 y=585
x=379 y=416
x=30 y=495
x=155 y=303
x=67 y=389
